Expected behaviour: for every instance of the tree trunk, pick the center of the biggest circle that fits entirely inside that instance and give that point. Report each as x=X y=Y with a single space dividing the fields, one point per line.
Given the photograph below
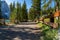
x=4 y=22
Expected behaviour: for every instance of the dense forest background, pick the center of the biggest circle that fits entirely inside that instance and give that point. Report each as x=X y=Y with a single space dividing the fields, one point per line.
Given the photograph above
x=38 y=9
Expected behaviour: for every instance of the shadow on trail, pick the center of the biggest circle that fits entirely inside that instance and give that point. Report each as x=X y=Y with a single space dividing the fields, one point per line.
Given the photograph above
x=22 y=35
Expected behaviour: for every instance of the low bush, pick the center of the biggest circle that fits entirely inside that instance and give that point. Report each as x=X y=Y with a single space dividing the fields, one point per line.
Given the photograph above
x=49 y=33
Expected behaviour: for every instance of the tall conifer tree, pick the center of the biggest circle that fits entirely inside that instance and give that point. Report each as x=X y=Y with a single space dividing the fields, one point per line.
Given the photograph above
x=24 y=12
x=19 y=15
x=36 y=4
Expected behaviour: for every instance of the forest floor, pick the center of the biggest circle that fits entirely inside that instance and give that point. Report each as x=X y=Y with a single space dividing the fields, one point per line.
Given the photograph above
x=20 y=32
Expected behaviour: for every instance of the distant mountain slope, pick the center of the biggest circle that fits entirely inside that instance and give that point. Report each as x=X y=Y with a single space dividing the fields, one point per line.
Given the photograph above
x=5 y=10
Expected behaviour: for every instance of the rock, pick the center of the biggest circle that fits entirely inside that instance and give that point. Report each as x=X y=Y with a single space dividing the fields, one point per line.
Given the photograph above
x=5 y=9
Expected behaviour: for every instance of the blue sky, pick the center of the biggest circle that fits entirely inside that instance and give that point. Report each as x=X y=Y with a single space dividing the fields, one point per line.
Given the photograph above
x=28 y=2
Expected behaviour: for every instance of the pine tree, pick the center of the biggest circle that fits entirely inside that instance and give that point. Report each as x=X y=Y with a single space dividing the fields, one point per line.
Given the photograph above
x=36 y=4
x=11 y=7
x=31 y=15
x=24 y=12
x=18 y=14
x=12 y=13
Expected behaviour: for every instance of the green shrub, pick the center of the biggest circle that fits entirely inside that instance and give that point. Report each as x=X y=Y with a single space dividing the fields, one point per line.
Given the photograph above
x=49 y=33
x=47 y=20
x=40 y=25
